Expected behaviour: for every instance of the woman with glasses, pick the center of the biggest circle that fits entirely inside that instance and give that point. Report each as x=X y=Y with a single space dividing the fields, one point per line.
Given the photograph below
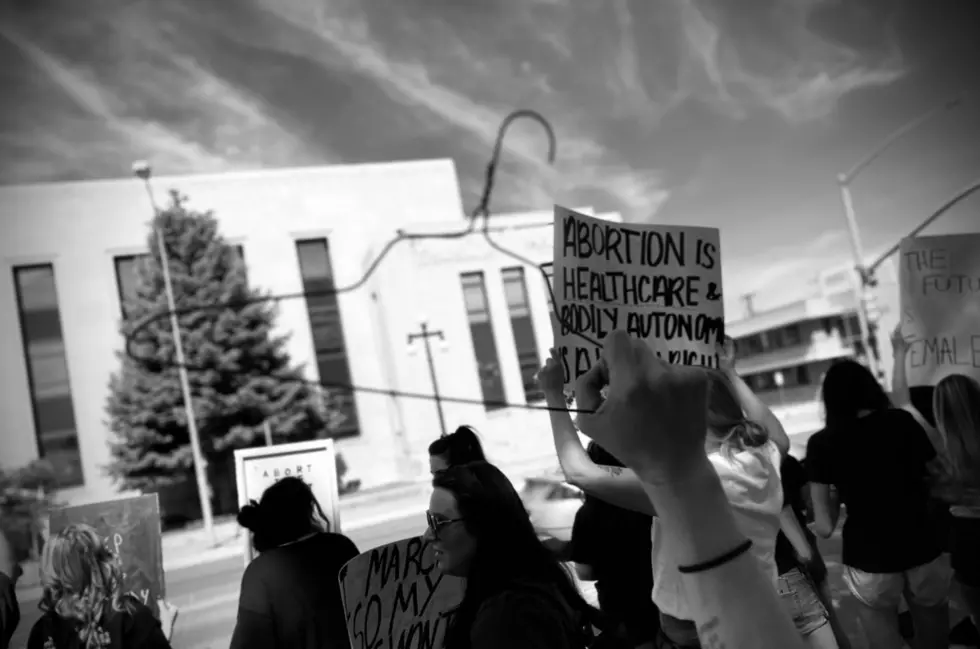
x=517 y=592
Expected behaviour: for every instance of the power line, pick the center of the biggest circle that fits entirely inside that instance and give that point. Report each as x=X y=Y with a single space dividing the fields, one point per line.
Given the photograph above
x=481 y=211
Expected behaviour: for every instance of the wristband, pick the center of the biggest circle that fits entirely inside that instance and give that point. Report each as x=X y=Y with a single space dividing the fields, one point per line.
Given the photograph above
x=721 y=560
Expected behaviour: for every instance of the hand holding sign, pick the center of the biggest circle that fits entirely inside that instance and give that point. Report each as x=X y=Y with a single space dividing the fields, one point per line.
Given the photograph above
x=655 y=413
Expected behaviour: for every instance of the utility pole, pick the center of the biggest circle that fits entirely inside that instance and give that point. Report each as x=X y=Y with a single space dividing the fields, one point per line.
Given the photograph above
x=865 y=274
x=142 y=171
x=424 y=335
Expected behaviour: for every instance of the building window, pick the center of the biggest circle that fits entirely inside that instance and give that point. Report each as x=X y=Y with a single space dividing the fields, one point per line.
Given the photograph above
x=753 y=345
x=515 y=290
x=792 y=335
x=329 y=343
x=481 y=329
x=128 y=269
x=47 y=372
x=549 y=288
x=803 y=375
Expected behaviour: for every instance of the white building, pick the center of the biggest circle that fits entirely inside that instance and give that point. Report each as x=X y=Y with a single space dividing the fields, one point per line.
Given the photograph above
x=67 y=251
x=784 y=349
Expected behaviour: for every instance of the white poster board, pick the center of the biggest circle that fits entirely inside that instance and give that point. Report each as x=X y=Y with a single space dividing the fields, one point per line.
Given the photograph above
x=940 y=298
x=314 y=461
x=658 y=282
x=396 y=597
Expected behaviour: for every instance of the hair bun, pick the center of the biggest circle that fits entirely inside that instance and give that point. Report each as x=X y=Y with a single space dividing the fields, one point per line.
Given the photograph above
x=250 y=516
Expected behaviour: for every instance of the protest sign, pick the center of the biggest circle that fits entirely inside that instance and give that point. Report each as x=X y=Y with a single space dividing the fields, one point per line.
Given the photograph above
x=659 y=283
x=395 y=597
x=314 y=462
x=130 y=528
x=940 y=300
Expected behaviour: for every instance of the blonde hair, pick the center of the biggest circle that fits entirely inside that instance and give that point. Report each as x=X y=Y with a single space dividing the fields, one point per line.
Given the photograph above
x=727 y=423
x=81 y=581
x=956 y=407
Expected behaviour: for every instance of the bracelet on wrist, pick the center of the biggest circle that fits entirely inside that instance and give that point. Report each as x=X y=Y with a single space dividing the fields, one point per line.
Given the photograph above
x=718 y=561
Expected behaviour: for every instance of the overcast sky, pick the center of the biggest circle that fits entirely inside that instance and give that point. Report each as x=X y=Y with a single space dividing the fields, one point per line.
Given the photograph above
x=734 y=114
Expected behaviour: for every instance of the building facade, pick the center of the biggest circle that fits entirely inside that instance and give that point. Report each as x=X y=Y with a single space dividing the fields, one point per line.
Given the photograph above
x=69 y=253
x=784 y=350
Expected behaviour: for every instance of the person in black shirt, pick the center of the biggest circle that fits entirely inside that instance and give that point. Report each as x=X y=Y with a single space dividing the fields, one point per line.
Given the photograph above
x=290 y=595
x=612 y=546
x=879 y=459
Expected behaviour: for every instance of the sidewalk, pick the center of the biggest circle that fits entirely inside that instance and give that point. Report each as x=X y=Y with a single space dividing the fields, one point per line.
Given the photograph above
x=373 y=506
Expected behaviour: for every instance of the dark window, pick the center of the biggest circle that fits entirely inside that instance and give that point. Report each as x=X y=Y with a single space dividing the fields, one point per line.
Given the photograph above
x=128 y=270
x=515 y=290
x=803 y=375
x=549 y=288
x=329 y=344
x=481 y=329
x=753 y=345
x=792 y=335
x=47 y=372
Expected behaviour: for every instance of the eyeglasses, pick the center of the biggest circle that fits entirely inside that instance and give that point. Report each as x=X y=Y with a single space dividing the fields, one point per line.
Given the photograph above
x=437 y=524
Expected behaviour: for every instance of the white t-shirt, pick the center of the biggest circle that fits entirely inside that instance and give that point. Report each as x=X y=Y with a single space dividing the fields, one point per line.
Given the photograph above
x=752 y=483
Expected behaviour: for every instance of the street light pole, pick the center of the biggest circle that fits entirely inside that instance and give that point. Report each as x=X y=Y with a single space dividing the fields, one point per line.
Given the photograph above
x=860 y=283
x=143 y=172
x=424 y=335
x=865 y=274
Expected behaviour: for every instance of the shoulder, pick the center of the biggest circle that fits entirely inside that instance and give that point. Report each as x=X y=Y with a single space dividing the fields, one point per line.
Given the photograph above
x=819 y=441
x=339 y=543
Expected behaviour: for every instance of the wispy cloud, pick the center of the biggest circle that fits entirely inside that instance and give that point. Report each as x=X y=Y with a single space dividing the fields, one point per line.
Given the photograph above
x=802 y=75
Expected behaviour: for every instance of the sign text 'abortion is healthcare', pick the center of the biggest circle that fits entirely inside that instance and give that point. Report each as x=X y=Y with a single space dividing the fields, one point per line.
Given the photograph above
x=659 y=283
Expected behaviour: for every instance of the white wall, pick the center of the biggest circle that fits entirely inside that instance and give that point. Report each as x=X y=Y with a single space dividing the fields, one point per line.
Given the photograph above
x=80 y=227
x=425 y=282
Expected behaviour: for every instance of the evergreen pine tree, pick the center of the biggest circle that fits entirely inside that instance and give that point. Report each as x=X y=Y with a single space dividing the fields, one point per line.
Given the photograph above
x=239 y=372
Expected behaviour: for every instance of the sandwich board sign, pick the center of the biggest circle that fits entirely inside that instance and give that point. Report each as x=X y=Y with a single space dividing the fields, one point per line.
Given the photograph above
x=256 y=469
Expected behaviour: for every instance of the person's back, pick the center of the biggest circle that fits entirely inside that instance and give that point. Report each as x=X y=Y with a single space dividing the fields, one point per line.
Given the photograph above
x=134 y=627
x=290 y=596
x=878 y=463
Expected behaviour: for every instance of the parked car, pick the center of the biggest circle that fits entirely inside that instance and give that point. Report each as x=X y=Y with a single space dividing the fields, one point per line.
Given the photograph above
x=552 y=504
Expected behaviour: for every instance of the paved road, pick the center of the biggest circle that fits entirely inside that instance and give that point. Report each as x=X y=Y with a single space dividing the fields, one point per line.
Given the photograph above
x=208 y=594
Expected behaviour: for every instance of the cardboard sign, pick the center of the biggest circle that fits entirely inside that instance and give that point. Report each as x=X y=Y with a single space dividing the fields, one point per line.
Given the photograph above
x=395 y=597
x=940 y=299
x=315 y=462
x=129 y=527
x=659 y=283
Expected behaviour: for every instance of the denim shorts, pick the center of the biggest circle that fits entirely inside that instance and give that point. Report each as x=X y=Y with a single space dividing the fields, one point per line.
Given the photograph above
x=926 y=585
x=800 y=599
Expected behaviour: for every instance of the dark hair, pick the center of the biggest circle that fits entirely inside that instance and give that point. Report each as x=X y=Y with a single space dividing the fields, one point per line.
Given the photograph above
x=459 y=447
x=601 y=456
x=848 y=388
x=508 y=551
x=287 y=511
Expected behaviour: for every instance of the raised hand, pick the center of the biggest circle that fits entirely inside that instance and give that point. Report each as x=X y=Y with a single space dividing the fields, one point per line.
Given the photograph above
x=551 y=377
x=899 y=344
x=654 y=415
x=726 y=355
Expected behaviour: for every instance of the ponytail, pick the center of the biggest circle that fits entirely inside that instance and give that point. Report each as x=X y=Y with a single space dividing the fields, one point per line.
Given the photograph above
x=462 y=446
